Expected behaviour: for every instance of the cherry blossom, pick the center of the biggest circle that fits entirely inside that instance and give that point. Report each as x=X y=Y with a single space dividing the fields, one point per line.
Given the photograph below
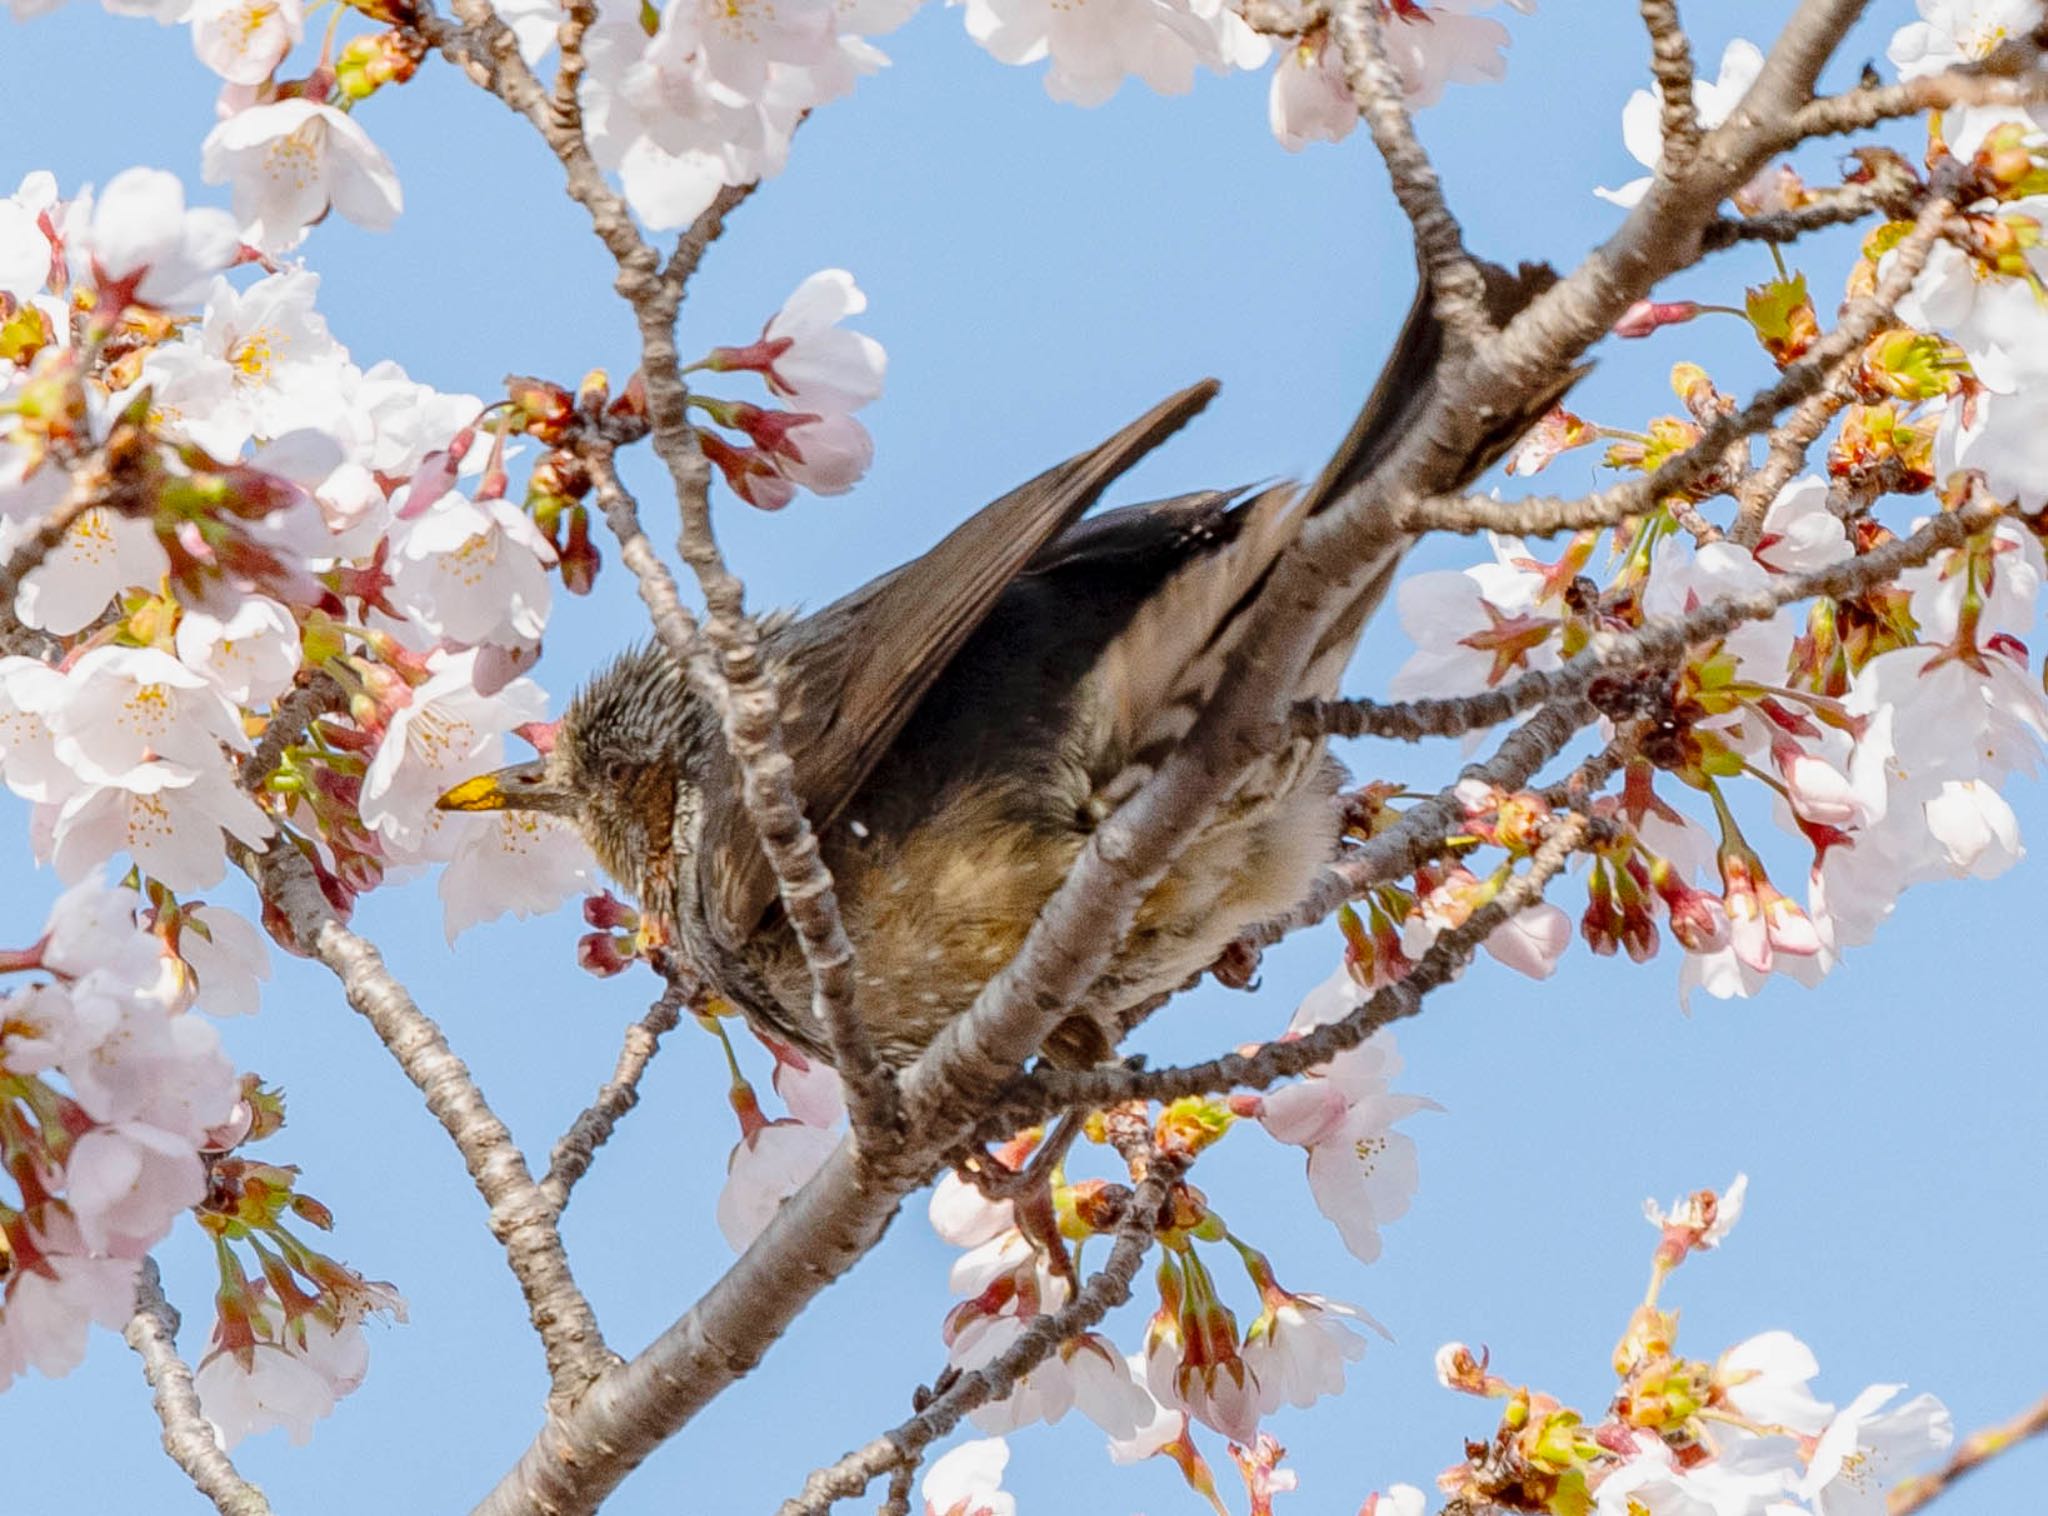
x=1297 y=1348
x=175 y=833
x=1361 y=1171
x=260 y=364
x=138 y=232
x=1950 y=32
x=1309 y=99
x=806 y=356
x=101 y=554
x=227 y=958
x=1094 y=46
x=1447 y=44
x=136 y=716
x=250 y=655
x=444 y=733
x=514 y=862
x=1764 y=1379
x=1476 y=626
x=1800 y=533
x=474 y=572
x=968 y=1480
x=1865 y=1448
x=1642 y=130
x=769 y=1165
x=243 y=40
x=289 y=162
x=292 y=1378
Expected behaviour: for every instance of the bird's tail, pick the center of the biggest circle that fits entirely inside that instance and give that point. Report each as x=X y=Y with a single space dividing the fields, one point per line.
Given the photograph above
x=1401 y=397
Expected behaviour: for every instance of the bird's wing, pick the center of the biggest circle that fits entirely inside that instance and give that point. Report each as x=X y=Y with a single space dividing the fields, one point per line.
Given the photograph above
x=851 y=675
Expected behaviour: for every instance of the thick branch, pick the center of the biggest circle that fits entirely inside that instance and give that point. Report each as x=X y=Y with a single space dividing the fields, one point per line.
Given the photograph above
x=576 y=1148
x=1978 y=1449
x=1103 y=1293
x=521 y=1218
x=188 y=1436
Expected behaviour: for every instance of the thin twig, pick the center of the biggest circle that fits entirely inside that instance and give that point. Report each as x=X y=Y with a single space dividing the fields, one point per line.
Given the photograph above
x=574 y=1150
x=1671 y=66
x=1104 y=1291
x=1659 y=640
x=314 y=695
x=897 y=1501
x=1094 y=1089
x=1542 y=515
x=1977 y=1449
x=188 y=1436
x=1376 y=85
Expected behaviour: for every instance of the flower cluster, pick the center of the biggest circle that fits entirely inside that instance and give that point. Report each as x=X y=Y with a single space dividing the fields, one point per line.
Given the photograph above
x=687 y=99
x=238 y=509
x=1024 y=1224
x=1874 y=727
x=823 y=372
x=112 y=1096
x=1742 y=1435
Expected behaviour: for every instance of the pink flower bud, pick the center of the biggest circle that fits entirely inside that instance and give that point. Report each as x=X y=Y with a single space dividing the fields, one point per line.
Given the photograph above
x=1645 y=316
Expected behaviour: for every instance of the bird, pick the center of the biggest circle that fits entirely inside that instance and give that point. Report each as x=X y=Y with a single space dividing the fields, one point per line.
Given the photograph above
x=960 y=726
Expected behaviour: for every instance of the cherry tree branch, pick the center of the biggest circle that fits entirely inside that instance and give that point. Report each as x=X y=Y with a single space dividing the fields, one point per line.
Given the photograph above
x=521 y=1217
x=576 y=1148
x=188 y=1436
x=1977 y=1449
x=1671 y=67
x=1343 y=560
x=1094 y=1089
x=1105 y=1290
x=313 y=696
x=1659 y=640
x=750 y=710
x=1376 y=85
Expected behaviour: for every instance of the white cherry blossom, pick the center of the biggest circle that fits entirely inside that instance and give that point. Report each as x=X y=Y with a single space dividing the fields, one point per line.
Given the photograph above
x=1765 y=1377
x=768 y=1166
x=291 y=161
x=473 y=572
x=250 y=656
x=127 y=1181
x=1800 y=533
x=968 y=1481
x=101 y=554
x=174 y=834
x=1095 y=45
x=138 y=718
x=229 y=960
x=139 y=229
x=1642 y=129
x=446 y=733
x=1309 y=99
x=243 y=40
x=1867 y=1448
x=1297 y=1348
x=1950 y=32
x=520 y=863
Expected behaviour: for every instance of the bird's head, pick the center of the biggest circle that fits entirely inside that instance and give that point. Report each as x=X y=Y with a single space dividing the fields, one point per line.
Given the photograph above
x=621 y=767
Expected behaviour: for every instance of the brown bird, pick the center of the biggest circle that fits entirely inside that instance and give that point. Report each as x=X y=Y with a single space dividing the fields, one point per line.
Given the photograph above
x=960 y=726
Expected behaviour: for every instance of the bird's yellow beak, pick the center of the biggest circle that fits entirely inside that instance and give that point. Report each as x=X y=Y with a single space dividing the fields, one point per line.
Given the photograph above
x=483 y=793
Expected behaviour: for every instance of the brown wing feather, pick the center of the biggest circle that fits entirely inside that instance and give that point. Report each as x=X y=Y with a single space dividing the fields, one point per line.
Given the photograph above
x=851 y=675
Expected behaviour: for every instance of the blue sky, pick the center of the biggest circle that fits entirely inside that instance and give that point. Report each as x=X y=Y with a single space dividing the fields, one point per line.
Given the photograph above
x=1039 y=274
